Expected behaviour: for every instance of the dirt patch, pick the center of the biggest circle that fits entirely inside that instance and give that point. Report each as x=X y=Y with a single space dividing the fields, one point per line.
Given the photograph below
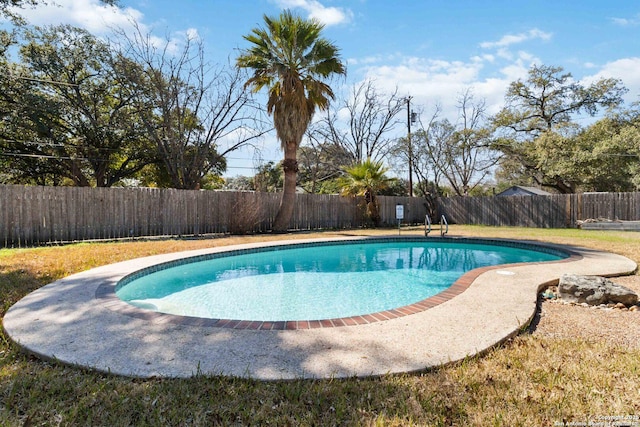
x=619 y=327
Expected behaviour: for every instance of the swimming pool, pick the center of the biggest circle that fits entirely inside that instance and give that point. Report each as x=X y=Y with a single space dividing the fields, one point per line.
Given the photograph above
x=80 y=321
x=316 y=281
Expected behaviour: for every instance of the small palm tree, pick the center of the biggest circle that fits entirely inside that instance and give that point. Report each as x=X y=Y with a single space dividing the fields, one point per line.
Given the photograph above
x=366 y=179
x=290 y=59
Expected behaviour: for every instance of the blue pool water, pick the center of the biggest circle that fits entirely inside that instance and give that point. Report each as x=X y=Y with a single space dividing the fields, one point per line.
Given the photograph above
x=315 y=282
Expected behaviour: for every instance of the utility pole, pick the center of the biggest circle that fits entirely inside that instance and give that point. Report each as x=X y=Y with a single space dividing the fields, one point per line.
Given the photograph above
x=411 y=118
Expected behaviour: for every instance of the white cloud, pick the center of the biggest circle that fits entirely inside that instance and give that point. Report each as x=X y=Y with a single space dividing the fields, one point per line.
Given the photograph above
x=625 y=69
x=504 y=53
x=484 y=58
x=192 y=34
x=627 y=22
x=92 y=15
x=373 y=59
x=438 y=82
x=511 y=39
x=326 y=15
x=430 y=82
x=366 y=60
x=101 y=19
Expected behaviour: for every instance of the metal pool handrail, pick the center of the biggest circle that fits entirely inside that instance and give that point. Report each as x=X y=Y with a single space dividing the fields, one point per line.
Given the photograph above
x=427 y=225
x=444 y=220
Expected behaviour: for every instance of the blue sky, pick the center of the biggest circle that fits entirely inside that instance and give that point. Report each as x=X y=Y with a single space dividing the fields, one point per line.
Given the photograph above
x=432 y=50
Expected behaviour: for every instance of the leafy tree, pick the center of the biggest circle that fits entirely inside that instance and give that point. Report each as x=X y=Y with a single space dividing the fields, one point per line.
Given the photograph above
x=290 y=59
x=509 y=172
x=330 y=186
x=396 y=187
x=239 y=183
x=269 y=178
x=17 y=3
x=366 y=179
x=66 y=115
x=601 y=157
x=28 y=3
x=626 y=145
x=539 y=115
x=604 y=156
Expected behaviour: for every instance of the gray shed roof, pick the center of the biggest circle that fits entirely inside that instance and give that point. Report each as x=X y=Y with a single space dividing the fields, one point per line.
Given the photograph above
x=519 y=190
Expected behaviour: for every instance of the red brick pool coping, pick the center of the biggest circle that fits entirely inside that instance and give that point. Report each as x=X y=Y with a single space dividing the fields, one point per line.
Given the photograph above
x=107 y=295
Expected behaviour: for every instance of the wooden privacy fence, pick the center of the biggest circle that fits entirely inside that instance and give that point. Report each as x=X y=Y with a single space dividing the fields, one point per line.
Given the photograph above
x=553 y=211
x=35 y=215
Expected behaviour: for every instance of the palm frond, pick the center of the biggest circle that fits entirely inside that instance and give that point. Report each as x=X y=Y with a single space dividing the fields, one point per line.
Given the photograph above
x=290 y=58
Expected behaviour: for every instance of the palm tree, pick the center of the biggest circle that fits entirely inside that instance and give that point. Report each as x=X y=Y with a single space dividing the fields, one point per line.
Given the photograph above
x=290 y=59
x=366 y=179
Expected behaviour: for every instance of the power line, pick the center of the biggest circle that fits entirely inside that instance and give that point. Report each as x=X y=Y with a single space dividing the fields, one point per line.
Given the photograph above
x=47 y=156
x=241 y=167
x=67 y=145
x=31 y=79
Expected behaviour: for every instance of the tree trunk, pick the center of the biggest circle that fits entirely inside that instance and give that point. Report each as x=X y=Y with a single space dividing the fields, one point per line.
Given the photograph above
x=76 y=174
x=287 y=202
x=372 y=208
x=563 y=187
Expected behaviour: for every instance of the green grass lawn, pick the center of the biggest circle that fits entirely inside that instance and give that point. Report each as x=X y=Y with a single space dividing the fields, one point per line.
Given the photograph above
x=529 y=381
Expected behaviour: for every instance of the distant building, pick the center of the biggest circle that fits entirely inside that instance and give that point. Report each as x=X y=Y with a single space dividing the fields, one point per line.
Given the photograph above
x=518 y=190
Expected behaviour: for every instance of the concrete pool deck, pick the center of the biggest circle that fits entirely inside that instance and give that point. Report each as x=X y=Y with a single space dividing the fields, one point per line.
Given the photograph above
x=71 y=321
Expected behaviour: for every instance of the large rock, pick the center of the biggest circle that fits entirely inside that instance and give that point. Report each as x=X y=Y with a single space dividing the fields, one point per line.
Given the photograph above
x=594 y=290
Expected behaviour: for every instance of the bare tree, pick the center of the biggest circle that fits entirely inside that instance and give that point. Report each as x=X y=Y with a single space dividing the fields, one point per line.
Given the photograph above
x=427 y=145
x=469 y=156
x=195 y=113
x=371 y=116
x=458 y=152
